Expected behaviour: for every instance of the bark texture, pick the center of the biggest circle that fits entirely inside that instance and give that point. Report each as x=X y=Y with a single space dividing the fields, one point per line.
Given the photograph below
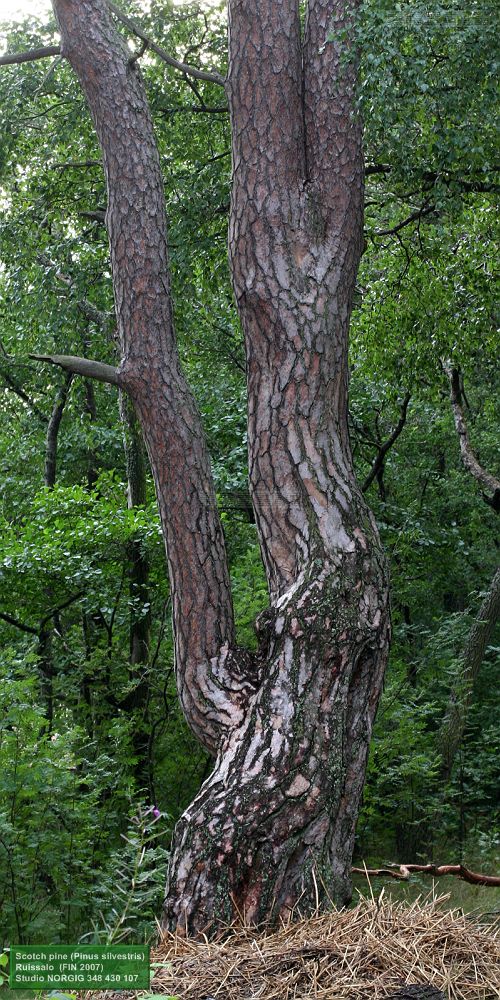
x=211 y=678
x=274 y=823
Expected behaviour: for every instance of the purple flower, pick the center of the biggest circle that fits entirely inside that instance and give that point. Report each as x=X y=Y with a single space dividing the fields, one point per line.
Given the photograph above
x=156 y=812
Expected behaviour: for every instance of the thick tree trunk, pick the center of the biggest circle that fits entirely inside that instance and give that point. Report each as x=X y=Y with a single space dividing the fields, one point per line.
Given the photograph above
x=274 y=823
x=211 y=678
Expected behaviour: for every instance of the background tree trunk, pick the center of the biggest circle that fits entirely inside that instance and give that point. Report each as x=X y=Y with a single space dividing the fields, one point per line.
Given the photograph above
x=478 y=639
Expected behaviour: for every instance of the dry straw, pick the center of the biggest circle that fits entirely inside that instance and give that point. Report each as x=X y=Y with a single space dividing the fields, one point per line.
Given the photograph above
x=365 y=953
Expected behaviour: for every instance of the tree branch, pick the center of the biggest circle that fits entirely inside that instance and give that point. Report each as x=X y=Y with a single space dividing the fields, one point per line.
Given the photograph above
x=403 y=872
x=192 y=109
x=212 y=678
x=199 y=74
x=383 y=449
x=14 y=387
x=415 y=216
x=82 y=366
x=60 y=607
x=17 y=624
x=76 y=164
x=468 y=457
x=21 y=57
x=98 y=215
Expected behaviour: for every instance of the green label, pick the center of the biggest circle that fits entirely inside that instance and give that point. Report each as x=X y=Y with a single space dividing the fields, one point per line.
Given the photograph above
x=79 y=967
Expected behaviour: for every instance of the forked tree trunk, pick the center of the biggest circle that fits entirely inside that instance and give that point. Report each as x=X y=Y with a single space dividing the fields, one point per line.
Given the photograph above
x=290 y=727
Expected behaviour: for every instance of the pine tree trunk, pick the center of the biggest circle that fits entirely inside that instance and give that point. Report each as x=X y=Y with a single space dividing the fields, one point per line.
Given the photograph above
x=274 y=823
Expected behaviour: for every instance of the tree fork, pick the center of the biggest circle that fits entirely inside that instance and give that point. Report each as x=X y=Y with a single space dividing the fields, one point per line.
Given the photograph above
x=290 y=727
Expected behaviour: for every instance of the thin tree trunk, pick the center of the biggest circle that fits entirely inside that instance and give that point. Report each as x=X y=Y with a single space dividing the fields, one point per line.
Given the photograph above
x=212 y=682
x=44 y=648
x=275 y=821
x=469 y=459
x=478 y=639
x=90 y=409
x=51 y=439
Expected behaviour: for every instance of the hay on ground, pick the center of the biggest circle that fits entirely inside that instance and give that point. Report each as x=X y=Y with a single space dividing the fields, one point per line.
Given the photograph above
x=365 y=953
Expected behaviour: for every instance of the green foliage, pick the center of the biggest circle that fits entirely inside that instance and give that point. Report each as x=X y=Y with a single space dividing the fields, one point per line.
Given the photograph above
x=59 y=795
x=428 y=89
x=129 y=894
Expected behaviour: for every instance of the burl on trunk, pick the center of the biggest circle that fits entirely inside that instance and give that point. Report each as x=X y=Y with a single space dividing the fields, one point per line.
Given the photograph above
x=289 y=727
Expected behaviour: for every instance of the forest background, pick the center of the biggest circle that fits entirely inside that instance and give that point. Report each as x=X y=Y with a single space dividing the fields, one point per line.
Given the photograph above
x=96 y=762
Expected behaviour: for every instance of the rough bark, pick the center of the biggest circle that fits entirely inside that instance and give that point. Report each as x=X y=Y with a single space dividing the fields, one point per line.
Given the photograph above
x=211 y=679
x=478 y=639
x=274 y=823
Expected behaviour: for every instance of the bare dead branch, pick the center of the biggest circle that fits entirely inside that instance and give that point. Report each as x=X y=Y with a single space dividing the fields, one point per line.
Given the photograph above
x=21 y=57
x=403 y=873
x=198 y=74
x=76 y=164
x=469 y=459
x=377 y=168
x=96 y=216
x=193 y=109
x=82 y=366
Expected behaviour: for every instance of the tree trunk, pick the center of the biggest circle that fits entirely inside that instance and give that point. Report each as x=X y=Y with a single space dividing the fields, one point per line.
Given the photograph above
x=478 y=639
x=275 y=821
x=285 y=792
x=51 y=440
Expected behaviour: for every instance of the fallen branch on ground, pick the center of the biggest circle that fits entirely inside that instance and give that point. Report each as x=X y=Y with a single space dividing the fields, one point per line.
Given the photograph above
x=403 y=873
